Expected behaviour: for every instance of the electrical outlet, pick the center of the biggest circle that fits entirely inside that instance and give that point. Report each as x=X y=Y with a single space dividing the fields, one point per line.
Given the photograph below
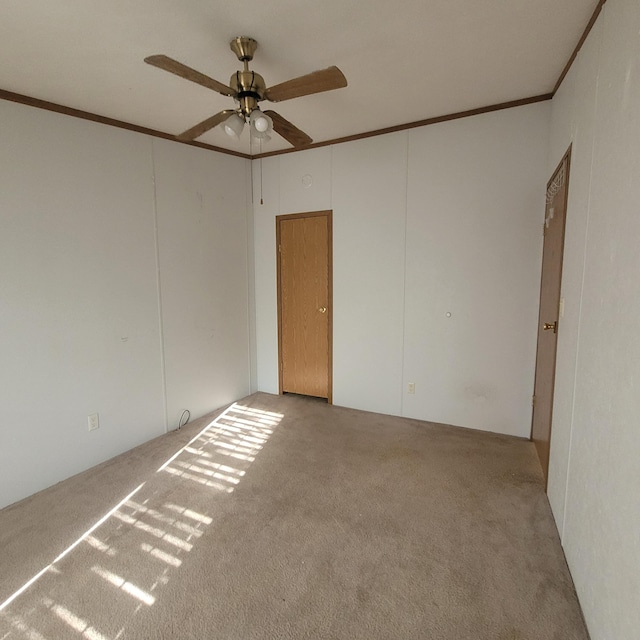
x=94 y=422
x=411 y=387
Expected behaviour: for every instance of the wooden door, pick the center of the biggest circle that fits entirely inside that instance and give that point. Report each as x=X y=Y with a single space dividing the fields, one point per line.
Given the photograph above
x=549 y=318
x=304 y=303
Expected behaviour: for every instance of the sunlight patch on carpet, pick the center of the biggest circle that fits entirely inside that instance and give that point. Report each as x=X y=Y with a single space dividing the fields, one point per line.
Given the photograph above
x=217 y=459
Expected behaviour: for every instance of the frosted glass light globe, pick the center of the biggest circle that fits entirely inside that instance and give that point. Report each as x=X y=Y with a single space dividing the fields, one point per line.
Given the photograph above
x=261 y=124
x=233 y=126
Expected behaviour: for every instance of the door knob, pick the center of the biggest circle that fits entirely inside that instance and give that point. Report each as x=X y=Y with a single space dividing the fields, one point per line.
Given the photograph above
x=322 y=309
x=547 y=326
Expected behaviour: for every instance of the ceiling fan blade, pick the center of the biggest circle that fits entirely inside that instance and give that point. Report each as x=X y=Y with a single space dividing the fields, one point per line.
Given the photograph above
x=205 y=125
x=179 y=69
x=288 y=131
x=316 y=82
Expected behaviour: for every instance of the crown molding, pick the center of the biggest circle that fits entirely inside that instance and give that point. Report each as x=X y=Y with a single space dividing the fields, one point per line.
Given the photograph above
x=584 y=36
x=413 y=125
x=112 y=122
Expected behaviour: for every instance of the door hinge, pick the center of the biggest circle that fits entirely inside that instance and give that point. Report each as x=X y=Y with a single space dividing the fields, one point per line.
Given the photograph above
x=533 y=401
x=279 y=248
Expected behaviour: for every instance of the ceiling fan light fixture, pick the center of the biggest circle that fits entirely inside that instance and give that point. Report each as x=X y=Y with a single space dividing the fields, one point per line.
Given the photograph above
x=233 y=126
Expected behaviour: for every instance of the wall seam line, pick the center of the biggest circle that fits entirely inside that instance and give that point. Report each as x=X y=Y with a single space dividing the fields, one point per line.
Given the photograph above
x=404 y=271
x=163 y=367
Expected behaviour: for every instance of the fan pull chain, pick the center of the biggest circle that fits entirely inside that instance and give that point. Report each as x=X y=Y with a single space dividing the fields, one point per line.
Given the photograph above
x=251 y=169
x=261 y=201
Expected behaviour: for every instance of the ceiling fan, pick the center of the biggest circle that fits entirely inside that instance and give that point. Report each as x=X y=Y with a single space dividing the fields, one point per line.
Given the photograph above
x=248 y=88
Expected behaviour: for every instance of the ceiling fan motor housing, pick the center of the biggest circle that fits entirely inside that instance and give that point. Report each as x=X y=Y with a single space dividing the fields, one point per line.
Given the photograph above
x=249 y=88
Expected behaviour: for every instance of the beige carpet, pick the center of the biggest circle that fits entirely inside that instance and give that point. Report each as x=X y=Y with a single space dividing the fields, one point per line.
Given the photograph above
x=288 y=518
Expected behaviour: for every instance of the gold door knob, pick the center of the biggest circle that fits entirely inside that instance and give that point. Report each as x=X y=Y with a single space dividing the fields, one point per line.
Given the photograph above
x=550 y=326
x=322 y=309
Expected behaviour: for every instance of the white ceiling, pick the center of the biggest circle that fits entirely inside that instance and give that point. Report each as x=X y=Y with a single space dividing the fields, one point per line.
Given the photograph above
x=404 y=61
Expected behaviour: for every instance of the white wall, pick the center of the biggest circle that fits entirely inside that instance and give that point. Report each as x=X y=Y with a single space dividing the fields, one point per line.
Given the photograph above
x=202 y=234
x=369 y=204
x=474 y=236
x=594 y=471
x=80 y=326
x=442 y=218
x=572 y=123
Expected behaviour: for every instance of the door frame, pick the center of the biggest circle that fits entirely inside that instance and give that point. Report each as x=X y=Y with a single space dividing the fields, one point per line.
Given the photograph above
x=293 y=216
x=565 y=158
